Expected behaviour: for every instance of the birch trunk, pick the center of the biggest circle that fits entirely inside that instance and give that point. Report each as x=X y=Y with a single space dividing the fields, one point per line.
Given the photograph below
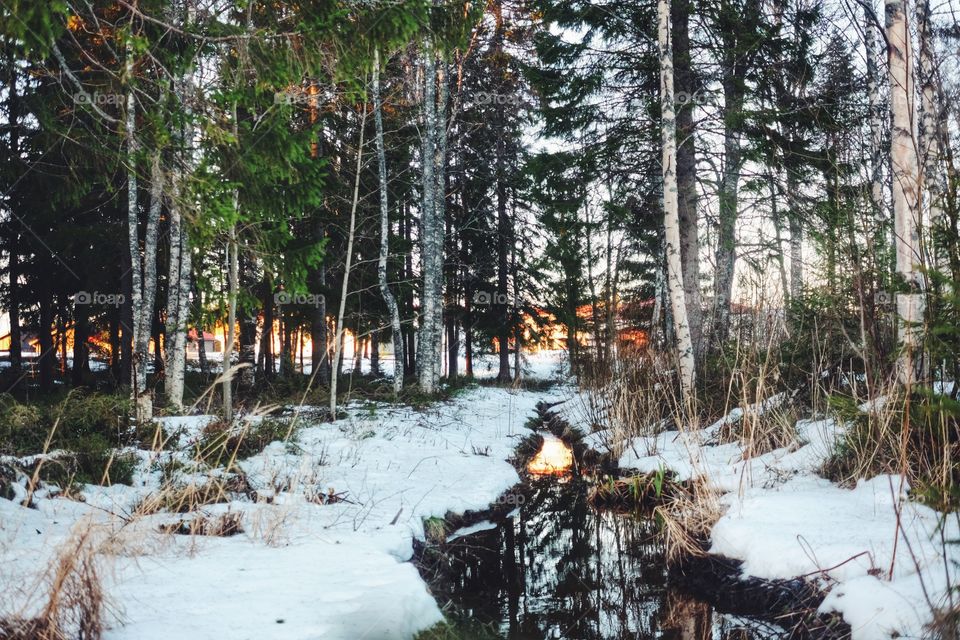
x=687 y=172
x=174 y=368
x=344 y=289
x=796 y=239
x=906 y=188
x=143 y=314
x=439 y=216
x=685 y=355
x=428 y=301
x=391 y=302
x=138 y=360
x=930 y=118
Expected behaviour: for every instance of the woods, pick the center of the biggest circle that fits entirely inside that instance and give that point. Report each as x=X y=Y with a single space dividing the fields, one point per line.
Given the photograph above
x=305 y=274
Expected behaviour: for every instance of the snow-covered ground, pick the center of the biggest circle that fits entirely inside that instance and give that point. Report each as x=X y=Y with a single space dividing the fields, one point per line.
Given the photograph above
x=880 y=557
x=299 y=569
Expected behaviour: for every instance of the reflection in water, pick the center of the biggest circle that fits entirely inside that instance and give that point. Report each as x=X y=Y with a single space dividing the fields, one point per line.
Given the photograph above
x=554 y=458
x=559 y=569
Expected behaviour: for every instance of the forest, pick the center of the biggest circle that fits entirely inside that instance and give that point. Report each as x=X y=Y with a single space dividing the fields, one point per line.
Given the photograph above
x=448 y=319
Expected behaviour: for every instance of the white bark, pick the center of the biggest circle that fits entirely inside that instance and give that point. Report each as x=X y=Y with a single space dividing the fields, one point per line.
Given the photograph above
x=439 y=218
x=930 y=118
x=685 y=355
x=143 y=314
x=906 y=186
x=178 y=300
x=345 y=287
x=391 y=302
x=426 y=365
x=138 y=360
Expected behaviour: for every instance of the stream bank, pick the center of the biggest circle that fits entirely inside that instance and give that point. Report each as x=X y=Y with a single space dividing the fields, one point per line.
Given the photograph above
x=543 y=562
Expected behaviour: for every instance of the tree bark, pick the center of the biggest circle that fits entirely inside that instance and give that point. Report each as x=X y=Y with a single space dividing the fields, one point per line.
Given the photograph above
x=391 y=302
x=906 y=189
x=934 y=185
x=687 y=170
x=345 y=287
x=685 y=355
x=427 y=367
x=138 y=359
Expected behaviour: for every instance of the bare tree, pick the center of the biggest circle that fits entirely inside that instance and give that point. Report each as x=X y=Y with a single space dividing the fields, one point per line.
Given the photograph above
x=670 y=206
x=345 y=287
x=906 y=186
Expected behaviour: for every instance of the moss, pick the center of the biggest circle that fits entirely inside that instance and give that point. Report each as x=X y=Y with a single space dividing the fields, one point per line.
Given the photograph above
x=458 y=630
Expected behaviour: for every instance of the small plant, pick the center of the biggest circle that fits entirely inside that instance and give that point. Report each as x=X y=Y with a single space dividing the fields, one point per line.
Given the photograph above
x=435 y=529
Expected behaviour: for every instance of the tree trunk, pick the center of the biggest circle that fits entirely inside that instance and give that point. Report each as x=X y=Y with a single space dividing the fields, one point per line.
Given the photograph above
x=13 y=240
x=138 y=359
x=247 y=356
x=877 y=115
x=439 y=216
x=143 y=314
x=47 y=351
x=391 y=302
x=930 y=118
x=177 y=287
x=500 y=305
x=81 y=331
x=685 y=85
x=427 y=367
x=906 y=182
x=233 y=284
x=266 y=336
x=685 y=355
x=345 y=287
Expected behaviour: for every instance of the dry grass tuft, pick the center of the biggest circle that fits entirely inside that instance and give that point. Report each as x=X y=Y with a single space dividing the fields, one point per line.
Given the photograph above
x=75 y=601
x=687 y=518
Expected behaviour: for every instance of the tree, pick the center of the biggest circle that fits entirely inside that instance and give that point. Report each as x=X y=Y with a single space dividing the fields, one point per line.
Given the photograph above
x=671 y=218
x=906 y=188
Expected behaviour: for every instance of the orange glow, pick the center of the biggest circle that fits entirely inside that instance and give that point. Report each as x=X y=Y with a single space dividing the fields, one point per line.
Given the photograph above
x=554 y=458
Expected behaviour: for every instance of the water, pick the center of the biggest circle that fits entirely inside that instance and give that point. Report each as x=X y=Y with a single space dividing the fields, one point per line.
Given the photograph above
x=557 y=568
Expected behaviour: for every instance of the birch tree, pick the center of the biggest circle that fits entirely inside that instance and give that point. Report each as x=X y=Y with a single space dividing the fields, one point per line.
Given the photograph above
x=429 y=302
x=671 y=222
x=930 y=117
x=906 y=187
x=388 y=298
x=345 y=287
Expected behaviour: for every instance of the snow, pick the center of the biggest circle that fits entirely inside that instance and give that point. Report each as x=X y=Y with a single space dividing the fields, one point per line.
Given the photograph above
x=784 y=521
x=302 y=567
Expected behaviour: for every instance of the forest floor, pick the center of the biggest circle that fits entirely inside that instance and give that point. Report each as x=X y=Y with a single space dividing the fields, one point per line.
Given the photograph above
x=312 y=537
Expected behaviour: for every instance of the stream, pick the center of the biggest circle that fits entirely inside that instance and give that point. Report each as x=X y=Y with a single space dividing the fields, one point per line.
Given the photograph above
x=555 y=567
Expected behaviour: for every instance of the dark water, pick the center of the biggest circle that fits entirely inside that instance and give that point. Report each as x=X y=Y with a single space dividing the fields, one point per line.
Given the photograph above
x=560 y=569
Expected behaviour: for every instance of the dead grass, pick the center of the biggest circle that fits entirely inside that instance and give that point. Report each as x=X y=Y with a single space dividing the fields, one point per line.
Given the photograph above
x=687 y=518
x=75 y=604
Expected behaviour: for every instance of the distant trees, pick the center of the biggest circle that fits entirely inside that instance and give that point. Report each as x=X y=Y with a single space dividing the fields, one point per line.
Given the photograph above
x=201 y=171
